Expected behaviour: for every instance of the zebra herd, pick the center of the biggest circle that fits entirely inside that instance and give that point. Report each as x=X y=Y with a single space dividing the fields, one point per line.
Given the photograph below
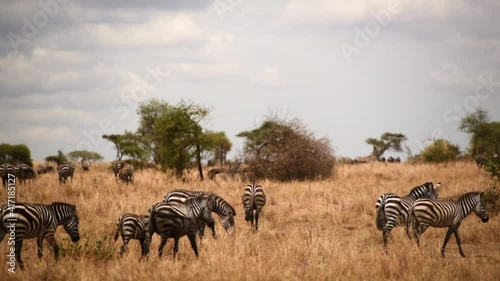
x=21 y=171
x=421 y=208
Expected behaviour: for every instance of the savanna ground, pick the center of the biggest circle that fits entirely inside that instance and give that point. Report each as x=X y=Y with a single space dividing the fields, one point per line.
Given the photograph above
x=318 y=230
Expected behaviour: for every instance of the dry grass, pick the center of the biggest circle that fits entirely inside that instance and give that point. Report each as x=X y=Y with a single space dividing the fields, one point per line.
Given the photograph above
x=321 y=230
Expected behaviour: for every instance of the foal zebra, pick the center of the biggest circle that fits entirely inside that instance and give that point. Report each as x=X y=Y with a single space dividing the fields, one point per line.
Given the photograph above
x=253 y=198
x=131 y=226
x=126 y=173
x=64 y=171
x=391 y=207
x=174 y=220
x=38 y=221
x=446 y=213
x=216 y=204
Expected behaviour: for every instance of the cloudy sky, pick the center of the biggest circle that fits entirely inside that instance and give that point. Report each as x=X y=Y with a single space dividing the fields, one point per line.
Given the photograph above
x=71 y=71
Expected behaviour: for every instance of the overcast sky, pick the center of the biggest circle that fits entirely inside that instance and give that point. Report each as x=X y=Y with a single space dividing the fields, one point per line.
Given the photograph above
x=71 y=71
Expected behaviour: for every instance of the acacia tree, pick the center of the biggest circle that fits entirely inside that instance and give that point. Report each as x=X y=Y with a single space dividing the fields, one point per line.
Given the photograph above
x=130 y=145
x=218 y=145
x=59 y=158
x=83 y=156
x=285 y=150
x=475 y=124
x=18 y=153
x=388 y=141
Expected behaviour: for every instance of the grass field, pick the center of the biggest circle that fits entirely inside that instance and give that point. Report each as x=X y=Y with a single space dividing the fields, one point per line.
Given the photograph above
x=318 y=230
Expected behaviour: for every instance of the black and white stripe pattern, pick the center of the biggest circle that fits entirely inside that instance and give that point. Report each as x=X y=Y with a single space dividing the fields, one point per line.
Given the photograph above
x=64 y=171
x=446 y=213
x=126 y=173
x=117 y=165
x=38 y=221
x=131 y=226
x=392 y=210
x=25 y=173
x=217 y=204
x=253 y=198
x=174 y=220
x=6 y=169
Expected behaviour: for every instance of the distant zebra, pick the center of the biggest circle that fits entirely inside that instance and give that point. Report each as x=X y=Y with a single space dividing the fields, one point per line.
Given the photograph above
x=126 y=173
x=131 y=226
x=446 y=213
x=25 y=173
x=174 y=220
x=216 y=204
x=392 y=210
x=117 y=165
x=481 y=161
x=253 y=198
x=64 y=171
x=6 y=169
x=38 y=221
x=391 y=159
x=44 y=170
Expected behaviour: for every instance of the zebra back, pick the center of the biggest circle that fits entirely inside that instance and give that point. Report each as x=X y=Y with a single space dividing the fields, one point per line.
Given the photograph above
x=117 y=165
x=254 y=197
x=131 y=225
x=126 y=173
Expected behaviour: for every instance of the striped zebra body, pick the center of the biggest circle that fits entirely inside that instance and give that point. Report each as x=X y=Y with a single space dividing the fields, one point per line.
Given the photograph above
x=25 y=173
x=64 y=171
x=117 y=165
x=446 y=213
x=131 y=226
x=126 y=173
x=253 y=199
x=6 y=169
x=392 y=210
x=38 y=221
x=216 y=204
x=174 y=220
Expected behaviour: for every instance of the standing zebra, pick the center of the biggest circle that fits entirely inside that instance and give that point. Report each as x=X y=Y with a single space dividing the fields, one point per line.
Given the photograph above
x=117 y=165
x=64 y=171
x=253 y=198
x=216 y=204
x=131 y=226
x=6 y=169
x=38 y=221
x=446 y=213
x=391 y=207
x=126 y=173
x=174 y=220
x=25 y=173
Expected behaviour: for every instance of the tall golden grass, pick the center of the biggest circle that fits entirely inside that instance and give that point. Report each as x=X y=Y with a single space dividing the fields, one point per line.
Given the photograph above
x=317 y=230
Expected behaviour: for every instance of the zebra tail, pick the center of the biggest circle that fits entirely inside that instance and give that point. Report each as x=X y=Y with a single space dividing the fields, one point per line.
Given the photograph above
x=381 y=219
x=117 y=233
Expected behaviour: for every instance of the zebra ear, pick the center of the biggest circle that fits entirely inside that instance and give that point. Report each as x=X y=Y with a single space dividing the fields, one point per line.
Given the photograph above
x=481 y=195
x=437 y=186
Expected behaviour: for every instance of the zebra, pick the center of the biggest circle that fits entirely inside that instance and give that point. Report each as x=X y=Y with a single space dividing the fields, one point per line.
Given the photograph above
x=174 y=220
x=446 y=213
x=131 y=226
x=117 y=165
x=217 y=205
x=253 y=198
x=126 y=173
x=38 y=221
x=6 y=169
x=391 y=207
x=481 y=161
x=25 y=172
x=64 y=171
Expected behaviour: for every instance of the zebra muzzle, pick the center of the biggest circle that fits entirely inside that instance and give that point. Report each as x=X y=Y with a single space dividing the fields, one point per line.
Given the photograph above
x=485 y=219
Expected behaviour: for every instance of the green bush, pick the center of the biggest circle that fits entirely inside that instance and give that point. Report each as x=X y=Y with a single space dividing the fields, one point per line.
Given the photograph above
x=441 y=151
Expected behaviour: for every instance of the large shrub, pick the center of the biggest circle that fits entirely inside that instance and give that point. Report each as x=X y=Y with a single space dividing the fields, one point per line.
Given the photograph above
x=440 y=151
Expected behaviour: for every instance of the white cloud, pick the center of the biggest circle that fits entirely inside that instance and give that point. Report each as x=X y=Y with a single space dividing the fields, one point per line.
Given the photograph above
x=39 y=134
x=219 y=42
x=204 y=71
x=269 y=77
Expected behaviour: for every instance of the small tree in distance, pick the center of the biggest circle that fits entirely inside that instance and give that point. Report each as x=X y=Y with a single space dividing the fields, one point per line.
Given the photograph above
x=388 y=141
x=285 y=150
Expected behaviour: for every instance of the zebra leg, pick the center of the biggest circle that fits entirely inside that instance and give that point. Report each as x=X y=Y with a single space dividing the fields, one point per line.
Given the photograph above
x=3 y=232
x=162 y=245
x=176 y=247
x=257 y=213
x=19 y=246
x=39 y=244
x=457 y=237
x=143 y=248
x=251 y=219
x=126 y=240
x=52 y=241
x=201 y=230
x=211 y=224
x=448 y=235
x=192 y=239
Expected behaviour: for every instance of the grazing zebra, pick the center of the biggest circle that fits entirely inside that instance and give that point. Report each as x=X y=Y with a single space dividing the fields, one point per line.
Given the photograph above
x=253 y=198
x=117 y=165
x=44 y=170
x=131 y=226
x=446 y=213
x=66 y=170
x=38 y=221
x=174 y=220
x=391 y=207
x=216 y=204
x=25 y=173
x=126 y=173
x=391 y=159
x=6 y=169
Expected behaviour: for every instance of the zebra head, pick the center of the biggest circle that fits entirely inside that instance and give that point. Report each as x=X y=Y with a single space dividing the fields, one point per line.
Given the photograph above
x=67 y=216
x=220 y=206
x=480 y=208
